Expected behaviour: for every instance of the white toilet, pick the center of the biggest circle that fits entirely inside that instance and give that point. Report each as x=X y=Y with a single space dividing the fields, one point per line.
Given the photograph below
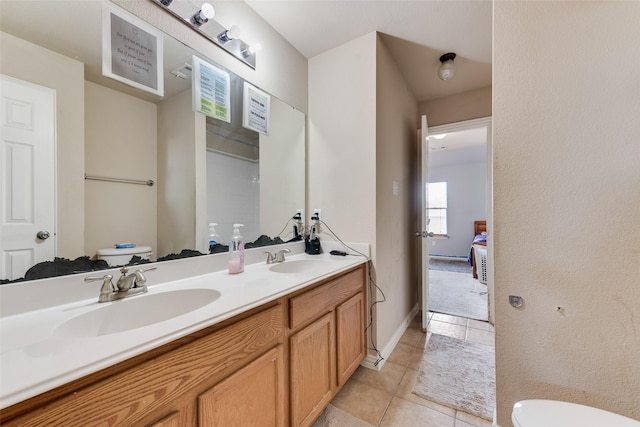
x=122 y=256
x=553 y=413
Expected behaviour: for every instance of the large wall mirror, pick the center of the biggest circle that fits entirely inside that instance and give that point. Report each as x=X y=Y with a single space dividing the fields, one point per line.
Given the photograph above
x=203 y=170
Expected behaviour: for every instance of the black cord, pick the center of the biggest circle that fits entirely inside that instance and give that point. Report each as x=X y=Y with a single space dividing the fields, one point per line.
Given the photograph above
x=284 y=228
x=372 y=284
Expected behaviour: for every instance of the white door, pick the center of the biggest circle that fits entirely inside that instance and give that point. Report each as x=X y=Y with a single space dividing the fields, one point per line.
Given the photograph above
x=423 y=149
x=27 y=177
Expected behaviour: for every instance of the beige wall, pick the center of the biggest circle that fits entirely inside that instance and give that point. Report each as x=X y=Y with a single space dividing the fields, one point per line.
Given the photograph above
x=282 y=169
x=342 y=139
x=362 y=133
x=567 y=197
x=26 y=61
x=280 y=69
x=178 y=130
x=473 y=104
x=120 y=142
x=396 y=139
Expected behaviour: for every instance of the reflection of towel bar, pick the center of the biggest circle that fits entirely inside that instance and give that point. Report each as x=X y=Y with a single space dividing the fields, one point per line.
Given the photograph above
x=128 y=181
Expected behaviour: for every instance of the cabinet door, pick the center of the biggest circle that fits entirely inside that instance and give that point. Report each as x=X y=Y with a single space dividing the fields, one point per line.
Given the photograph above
x=253 y=396
x=350 y=336
x=312 y=370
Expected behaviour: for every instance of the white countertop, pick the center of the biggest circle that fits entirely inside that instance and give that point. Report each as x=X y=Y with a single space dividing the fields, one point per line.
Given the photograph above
x=35 y=359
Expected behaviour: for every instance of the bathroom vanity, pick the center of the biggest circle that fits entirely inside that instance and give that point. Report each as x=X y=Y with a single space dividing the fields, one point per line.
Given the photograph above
x=268 y=355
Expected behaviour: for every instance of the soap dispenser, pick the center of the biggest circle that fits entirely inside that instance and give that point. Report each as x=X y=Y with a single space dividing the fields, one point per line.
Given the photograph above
x=236 y=251
x=213 y=238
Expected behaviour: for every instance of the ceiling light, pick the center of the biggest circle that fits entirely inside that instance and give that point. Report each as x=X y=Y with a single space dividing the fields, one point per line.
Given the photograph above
x=232 y=33
x=447 y=68
x=205 y=13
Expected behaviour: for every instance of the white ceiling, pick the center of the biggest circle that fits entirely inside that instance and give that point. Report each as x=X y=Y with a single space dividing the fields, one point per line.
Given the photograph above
x=416 y=32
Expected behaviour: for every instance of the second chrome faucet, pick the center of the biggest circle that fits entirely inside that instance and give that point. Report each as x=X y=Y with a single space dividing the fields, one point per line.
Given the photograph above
x=277 y=257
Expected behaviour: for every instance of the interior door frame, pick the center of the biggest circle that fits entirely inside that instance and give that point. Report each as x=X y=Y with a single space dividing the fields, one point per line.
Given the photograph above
x=474 y=124
x=422 y=221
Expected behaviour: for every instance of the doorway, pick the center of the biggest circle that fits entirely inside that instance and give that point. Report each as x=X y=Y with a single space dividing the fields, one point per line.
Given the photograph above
x=27 y=180
x=460 y=156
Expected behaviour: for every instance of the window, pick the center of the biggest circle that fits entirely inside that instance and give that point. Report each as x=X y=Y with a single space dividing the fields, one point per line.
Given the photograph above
x=437 y=212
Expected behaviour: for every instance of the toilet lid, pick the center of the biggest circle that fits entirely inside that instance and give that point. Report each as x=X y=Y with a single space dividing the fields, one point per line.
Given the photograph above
x=124 y=251
x=553 y=413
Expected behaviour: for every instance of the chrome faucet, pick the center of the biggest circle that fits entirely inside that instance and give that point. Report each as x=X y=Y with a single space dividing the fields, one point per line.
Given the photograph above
x=126 y=286
x=277 y=257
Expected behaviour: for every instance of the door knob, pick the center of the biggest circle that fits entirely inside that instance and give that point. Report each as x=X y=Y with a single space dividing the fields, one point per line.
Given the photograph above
x=43 y=235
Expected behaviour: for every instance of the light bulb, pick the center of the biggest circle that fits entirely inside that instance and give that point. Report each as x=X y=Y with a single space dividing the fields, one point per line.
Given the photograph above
x=205 y=13
x=230 y=34
x=251 y=50
x=234 y=32
x=447 y=69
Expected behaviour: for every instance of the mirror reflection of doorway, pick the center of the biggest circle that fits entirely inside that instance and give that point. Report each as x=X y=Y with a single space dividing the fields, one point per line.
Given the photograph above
x=458 y=200
x=27 y=180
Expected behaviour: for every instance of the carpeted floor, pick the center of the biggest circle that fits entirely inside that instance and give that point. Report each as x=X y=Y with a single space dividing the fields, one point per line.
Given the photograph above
x=457 y=294
x=461 y=266
x=458 y=374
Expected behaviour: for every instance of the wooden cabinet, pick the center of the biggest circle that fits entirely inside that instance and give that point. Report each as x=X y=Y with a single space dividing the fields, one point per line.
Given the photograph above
x=256 y=369
x=253 y=396
x=350 y=323
x=325 y=353
x=312 y=368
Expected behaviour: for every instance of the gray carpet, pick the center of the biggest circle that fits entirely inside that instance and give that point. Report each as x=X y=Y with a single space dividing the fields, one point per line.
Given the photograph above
x=461 y=266
x=457 y=294
x=458 y=374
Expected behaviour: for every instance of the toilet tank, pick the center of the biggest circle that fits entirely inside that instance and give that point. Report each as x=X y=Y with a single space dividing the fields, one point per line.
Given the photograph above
x=122 y=256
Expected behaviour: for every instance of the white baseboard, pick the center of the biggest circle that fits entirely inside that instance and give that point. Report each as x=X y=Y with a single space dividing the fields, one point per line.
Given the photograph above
x=370 y=360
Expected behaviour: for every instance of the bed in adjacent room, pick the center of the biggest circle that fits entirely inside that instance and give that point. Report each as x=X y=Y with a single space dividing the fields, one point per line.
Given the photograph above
x=479 y=238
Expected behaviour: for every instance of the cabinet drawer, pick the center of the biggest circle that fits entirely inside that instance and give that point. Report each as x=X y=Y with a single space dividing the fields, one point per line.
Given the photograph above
x=322 y=299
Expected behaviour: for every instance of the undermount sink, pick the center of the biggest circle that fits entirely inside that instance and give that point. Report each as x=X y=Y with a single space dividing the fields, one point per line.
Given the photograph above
x=299 y=266
x=136 y=312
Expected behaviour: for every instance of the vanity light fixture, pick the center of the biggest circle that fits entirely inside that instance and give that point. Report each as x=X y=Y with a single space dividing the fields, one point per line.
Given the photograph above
x=447 y=68
x=231 y=34
x=205 y=13
x=195 y=17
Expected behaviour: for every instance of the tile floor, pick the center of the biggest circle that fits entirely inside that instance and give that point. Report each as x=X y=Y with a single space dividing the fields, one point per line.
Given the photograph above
x=383 y=398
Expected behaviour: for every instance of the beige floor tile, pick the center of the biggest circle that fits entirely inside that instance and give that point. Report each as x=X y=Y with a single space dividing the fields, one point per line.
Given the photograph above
x=477 y=324
x=406 y=388
x=414 y=363
x=404 y=413
x=385 y=398
x=411 y=336
x=362 y=401
x=401 y=354
x=481 y=337
x=386 y=379
x=448 y=329
x=472 y=419
x=447 y=318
